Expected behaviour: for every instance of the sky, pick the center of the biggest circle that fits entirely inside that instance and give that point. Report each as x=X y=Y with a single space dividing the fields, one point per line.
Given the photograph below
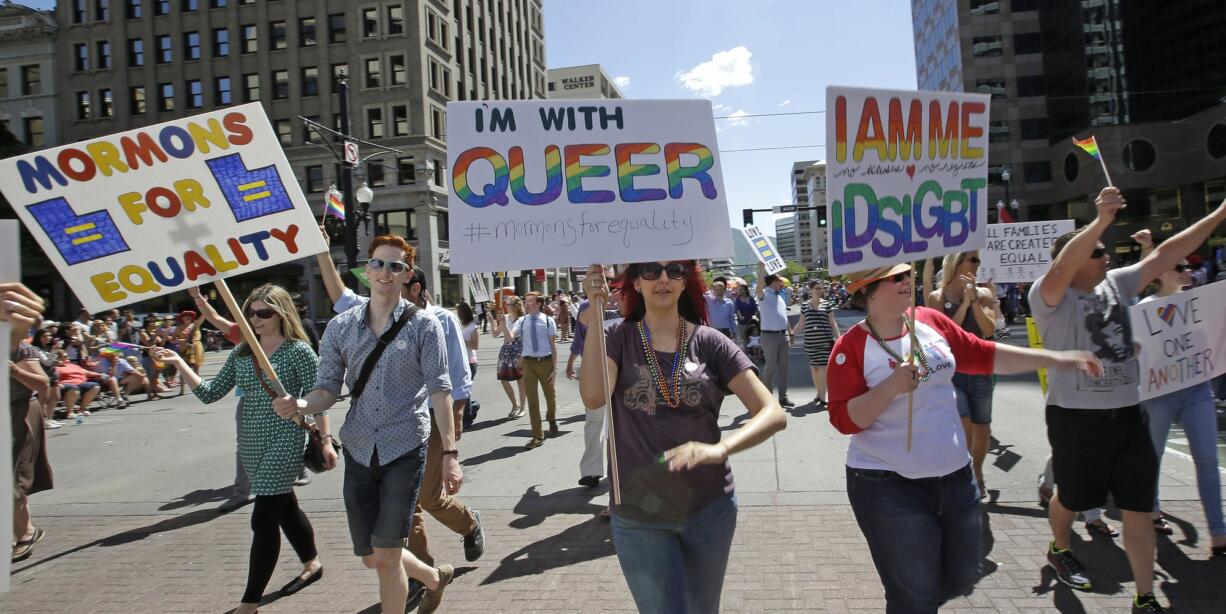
x=749 y=57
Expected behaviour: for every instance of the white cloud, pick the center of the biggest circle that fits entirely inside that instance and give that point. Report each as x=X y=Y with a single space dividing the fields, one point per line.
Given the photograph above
x=623 y=82
x=725 y=69
x=785 y=103
x=730 y=118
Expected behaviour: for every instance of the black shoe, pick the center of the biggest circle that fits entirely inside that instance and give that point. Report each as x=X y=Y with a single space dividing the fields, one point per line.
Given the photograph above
x=474 y=543
x=1068 y=569
x=553 y=428
x=300 y=582
x=417 y=590
x=786 y=402
x=1146 y=604
x=589 y=481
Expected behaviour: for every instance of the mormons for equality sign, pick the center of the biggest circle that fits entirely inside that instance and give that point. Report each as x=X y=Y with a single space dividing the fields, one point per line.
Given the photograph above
x=155 y=210
x=1182 y=339
x=906 y=174
x=543 y=184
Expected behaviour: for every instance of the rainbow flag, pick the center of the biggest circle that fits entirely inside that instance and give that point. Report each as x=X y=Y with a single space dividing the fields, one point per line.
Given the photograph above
x=335 y=207
x=1090 y=146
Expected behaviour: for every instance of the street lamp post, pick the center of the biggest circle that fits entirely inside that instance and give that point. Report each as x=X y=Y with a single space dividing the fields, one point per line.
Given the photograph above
x=1004 y=177
x=364 y=196
x=351 y=220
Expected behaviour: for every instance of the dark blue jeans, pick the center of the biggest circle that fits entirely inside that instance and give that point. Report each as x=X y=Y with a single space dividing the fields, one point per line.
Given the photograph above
x=677 y=568
x=924 y=534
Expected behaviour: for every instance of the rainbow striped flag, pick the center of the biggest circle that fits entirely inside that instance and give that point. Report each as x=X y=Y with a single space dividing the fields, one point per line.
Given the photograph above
x=1090 y=146
x=335 y=207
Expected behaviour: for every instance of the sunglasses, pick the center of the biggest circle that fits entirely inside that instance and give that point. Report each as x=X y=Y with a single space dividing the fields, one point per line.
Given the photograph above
x=263 y=314
x=1182 y=267
x=652 y=270
x=395 y=266
x=974 y=260
x=898 y=277
x=1098 y=252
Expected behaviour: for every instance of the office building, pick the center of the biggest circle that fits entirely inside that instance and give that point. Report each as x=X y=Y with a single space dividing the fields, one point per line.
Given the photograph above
x=588 y=81
x=27 y=75
x=809 y=190
x=787 y=238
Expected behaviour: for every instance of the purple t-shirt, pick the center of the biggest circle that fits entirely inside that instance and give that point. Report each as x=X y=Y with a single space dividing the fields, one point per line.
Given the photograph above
x=645 y=426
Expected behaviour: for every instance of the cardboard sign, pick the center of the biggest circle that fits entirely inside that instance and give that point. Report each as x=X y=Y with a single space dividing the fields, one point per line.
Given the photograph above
x=907 y=175
x=158 y=209
x=1019 y=252
x=538 y=184
x=476 y=285
x=1182 y=339
x=764 y=249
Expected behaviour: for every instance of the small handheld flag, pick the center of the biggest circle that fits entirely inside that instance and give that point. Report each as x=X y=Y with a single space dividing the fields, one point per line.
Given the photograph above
x=335 y=207
x=1090 y=146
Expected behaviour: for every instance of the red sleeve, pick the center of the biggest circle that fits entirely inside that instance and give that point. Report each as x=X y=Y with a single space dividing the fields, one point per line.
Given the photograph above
x=974 y=355
x=845 y=378
x=234 y=335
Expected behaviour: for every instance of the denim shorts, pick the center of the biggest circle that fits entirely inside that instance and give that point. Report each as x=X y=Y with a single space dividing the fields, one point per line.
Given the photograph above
x=380 y=500
x=974 y=397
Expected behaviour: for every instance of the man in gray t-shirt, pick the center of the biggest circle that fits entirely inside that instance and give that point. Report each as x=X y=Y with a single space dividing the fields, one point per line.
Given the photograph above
x=1100 y=442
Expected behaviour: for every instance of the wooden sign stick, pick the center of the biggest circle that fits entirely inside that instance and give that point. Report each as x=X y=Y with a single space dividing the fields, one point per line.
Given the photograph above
x=257 y=351
x=911 y=356
x=614 y=473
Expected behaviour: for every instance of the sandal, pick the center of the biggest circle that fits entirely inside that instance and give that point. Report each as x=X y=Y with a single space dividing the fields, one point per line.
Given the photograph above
x=23 y=549
x=1100 y=526
x=1161 y=526
x=516 y=412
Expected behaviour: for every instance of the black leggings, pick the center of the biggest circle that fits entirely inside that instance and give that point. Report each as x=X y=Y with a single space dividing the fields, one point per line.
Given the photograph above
x=273 y=514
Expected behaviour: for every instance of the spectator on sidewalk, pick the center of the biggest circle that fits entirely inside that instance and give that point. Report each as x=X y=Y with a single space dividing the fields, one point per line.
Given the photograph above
x=31 y=469
x=914 y=495
x=78 y=386
x=271 y=447
x=539 y=362
x=668 y=375
x=1100 y=443
x=776 y=334
x=387 y=430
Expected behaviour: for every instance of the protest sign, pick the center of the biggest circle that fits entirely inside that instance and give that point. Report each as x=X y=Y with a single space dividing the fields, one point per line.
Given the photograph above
x=907 y=175
x=476 y=285
x=539 y=184
x=10 y=262
x=1182 y=339
x=158 y=209
x=1019 y=252
x=764 y=249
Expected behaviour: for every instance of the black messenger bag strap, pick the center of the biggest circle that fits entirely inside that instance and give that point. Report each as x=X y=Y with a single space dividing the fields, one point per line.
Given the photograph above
x=372 y=358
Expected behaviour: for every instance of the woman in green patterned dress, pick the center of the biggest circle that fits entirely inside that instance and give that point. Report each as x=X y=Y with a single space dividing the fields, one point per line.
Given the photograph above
x=271 y=448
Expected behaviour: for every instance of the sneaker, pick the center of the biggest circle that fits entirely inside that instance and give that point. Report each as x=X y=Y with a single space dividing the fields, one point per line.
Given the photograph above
x=786 y=402
x=534 y=444
x=434 y=598
x=1068 y=569
x=1146 y=604
x=51 y=425
x=417 y=590
x=474 y=543
x=589 y=481
x=233 y=503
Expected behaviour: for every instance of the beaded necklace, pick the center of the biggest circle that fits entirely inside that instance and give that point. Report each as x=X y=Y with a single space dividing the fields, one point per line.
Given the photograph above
x=671 y=395
x=916 y=350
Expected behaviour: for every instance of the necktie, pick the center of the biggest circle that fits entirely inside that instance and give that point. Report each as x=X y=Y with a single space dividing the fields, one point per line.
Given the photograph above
x=532 y=335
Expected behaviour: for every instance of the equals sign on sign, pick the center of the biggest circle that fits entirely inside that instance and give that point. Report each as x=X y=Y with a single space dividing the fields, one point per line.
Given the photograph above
x=243 y=188
x=80 y=229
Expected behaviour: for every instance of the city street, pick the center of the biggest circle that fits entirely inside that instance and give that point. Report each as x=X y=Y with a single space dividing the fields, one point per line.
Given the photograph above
x=131 y=525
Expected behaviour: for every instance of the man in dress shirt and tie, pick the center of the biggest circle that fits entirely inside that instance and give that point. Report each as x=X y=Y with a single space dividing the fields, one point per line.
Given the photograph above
x=539 y=333
x=776 y=335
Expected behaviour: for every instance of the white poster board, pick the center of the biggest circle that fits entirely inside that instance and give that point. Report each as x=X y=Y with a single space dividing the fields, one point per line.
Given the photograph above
x=540 y=184
x=764 y=249
x=476 y=285
x=1182 y=339
x=907 y=175
x=10 y=270
x=1019 y=252
x=158 y=209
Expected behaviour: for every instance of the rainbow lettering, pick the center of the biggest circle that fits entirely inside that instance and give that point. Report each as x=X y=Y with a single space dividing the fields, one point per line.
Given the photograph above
x=951 y=128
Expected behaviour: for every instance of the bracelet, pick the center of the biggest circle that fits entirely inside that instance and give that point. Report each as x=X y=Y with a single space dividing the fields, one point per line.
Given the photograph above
x=455 y=453
x=326 y=436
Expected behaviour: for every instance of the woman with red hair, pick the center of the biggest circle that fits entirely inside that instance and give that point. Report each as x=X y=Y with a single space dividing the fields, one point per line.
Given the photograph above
x=668 y=374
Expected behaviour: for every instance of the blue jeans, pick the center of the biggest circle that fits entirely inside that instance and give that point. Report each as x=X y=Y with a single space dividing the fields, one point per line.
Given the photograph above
x=974 y=397
x=675 y=568
x=1194 y=409
x=924 y=534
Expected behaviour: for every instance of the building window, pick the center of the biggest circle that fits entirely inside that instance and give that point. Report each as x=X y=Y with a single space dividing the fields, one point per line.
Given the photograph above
x=309 y=134
x=986 y=46
x=1037 y=172
x=1034 y=129
x=374 y=123
x=396 y=223
x=218 y=4
x=375 y=177
x=221 y=42
x=276 y=35
x=994 y=87
x=161 y=7
x=400 y=120
x=106 y=103
x=102 y=10
x=1026 y=43
x=34 y=131
x=82 y=105
x=1139 y=155
x=998 y=132
x=285 y=132
x=191 y=45
x=306 y=32
x=251 y=41
x=31 y=80
x=310 y=81
x=336 y=28
x=104 y=54
x=4 y=83
x=135 y=9
x=78 y=11
x=373 y=70
x=406 y=172
x=195 y=94
x=339 y=71
x=136 y=52
x=434 y=75
x=1018 y=6
x=164 y=49
x=222 y=94
x=400 y=73
x=251 y=87
x=395 y=19
x=1030 y=86
x=280 y=84
x=985 y=7
x=370 y=22
x=166 y=97
x=136 y=100
x=191 y=6
x=80 y=54
x=314 y=179
x=438 y=123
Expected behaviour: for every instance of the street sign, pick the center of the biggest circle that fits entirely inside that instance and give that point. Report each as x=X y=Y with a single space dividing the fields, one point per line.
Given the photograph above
x=784 y=208
x=351 y=153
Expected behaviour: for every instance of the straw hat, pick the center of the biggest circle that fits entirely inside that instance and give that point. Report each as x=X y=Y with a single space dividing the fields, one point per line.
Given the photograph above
x=860 y=279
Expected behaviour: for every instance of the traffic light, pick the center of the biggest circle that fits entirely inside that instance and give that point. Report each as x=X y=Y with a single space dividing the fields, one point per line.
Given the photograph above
x=821 y=216
x=747 y=216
